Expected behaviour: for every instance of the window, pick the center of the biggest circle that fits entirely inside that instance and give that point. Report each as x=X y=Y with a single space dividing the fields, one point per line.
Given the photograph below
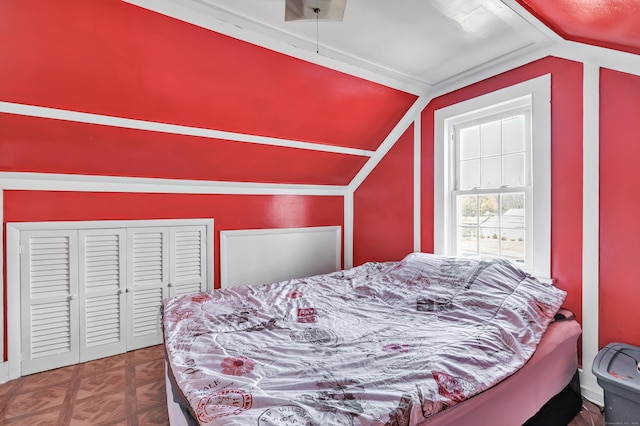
x=492 y=198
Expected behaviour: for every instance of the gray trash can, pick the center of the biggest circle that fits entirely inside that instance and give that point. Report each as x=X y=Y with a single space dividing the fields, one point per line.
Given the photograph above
x=617 y=368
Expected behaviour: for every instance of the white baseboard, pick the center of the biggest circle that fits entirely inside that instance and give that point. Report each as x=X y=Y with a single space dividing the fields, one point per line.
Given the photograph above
x=595 y=395
x=4 y=372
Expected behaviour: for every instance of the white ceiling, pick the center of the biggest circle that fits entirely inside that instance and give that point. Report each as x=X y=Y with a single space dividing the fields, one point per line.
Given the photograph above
x=413 y=45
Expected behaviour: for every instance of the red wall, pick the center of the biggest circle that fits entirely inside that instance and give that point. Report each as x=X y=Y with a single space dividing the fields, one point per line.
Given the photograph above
x=619 y=206
x=228 y=211
x=610 y=24
x=110 y=57
x=29 y=144
x=566 y=164
x=113 y=58
x=383 y=207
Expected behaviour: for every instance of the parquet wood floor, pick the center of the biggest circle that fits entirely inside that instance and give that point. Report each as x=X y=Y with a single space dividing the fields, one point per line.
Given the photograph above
x=126 y=389
x=590 y=415
x=123 y=390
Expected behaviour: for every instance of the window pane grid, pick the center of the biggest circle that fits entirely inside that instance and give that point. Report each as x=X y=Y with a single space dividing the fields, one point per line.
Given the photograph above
x=492 y=155
x=491 y=224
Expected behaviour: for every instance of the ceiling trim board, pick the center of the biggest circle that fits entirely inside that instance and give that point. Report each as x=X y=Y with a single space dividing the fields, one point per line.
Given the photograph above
x=606 y=58
x=532 y=19
x=271 y=34
x=262 y=36
x=495 y=62
x=87 y=183
x=476 y=75
x=154 y=126
x=388 y=143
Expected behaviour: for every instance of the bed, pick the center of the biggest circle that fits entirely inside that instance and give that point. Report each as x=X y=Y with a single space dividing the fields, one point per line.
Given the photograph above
x=428 y=340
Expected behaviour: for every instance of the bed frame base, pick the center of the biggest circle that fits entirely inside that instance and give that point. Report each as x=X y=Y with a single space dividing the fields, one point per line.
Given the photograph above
x=562 y=408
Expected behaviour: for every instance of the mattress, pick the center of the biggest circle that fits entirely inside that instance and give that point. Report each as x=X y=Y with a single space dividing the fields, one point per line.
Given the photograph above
x=386 y=343
x=520 y=396
x=511 y=402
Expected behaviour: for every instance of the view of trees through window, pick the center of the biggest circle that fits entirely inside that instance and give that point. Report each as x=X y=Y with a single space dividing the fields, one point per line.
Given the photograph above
x=492 y=224
x=490 y=198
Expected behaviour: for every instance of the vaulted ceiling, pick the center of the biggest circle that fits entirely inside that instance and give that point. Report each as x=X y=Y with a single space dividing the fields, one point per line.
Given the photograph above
x=614 y=24
x=240 y=95
x=415 y=45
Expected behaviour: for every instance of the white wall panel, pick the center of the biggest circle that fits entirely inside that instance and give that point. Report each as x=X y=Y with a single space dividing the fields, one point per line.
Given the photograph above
x=269 y=255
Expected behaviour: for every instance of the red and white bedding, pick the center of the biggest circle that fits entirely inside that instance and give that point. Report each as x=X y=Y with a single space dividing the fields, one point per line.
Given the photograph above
x=380 y=344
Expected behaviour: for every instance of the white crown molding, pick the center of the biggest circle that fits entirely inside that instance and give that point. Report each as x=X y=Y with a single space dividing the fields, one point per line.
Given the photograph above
x=491 y=70
x=128 y=123
x=495 y=66
x=573 y=51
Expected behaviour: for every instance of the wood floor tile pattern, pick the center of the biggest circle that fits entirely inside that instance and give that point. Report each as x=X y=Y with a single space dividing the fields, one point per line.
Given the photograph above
x=123 y=390
x=590 y=415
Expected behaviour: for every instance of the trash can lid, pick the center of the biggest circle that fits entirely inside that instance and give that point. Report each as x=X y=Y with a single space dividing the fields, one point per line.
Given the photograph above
x=619 y=363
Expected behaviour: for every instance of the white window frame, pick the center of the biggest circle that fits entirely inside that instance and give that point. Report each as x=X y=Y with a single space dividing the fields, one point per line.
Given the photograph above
x=538 y=224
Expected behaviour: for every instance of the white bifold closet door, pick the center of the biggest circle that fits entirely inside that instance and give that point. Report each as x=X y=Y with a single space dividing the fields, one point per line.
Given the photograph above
x=92 y=293
x=101 y=296
x=188 y=256
x=163 y=262
x=147 y=284
x=49 y=300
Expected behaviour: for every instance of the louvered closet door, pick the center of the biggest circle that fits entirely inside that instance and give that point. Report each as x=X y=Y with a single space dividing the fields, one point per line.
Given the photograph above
x=147 y=284
x=188 y=254
x=49 y=300
x=102 y=300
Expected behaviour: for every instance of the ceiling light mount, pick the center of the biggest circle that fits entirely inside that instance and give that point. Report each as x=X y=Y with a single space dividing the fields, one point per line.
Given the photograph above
x=324 y=10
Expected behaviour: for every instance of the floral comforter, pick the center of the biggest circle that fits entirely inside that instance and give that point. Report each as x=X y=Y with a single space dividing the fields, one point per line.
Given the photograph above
x=380 y=344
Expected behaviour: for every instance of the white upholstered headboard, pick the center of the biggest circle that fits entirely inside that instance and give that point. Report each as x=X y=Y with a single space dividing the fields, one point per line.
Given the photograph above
x=260 y=256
